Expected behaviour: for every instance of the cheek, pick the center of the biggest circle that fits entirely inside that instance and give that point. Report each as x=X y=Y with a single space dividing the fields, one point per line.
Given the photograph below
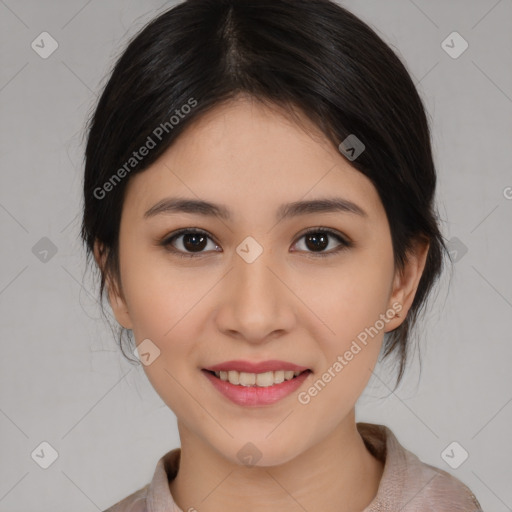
x=164 y=307
x=351 y=307
x=159 y=295
x=350 y=298
x=351 y=304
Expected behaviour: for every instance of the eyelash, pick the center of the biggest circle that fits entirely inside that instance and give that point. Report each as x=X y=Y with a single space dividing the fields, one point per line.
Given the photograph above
x=344 y=243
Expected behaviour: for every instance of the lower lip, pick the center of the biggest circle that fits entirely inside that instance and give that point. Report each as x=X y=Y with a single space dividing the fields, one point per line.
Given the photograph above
x=255 y=395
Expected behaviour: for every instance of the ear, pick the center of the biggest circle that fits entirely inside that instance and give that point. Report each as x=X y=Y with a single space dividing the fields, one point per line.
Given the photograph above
x=115 y=296
x=406 y=282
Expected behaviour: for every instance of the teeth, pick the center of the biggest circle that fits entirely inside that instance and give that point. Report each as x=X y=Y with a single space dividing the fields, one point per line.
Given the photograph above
x=256 y=379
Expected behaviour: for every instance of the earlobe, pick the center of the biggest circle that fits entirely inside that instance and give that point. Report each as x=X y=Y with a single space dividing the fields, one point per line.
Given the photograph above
x=115 y=297
x=118 y=305
x=407 y=280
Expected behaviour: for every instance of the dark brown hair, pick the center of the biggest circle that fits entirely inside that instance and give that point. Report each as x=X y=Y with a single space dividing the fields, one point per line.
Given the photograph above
x=311 y=55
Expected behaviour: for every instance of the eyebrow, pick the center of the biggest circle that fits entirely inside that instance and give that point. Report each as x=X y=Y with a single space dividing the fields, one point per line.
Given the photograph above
x=198 y=207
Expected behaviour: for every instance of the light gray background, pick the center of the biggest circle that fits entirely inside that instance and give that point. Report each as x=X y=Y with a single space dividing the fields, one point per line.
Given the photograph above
x=64 y=381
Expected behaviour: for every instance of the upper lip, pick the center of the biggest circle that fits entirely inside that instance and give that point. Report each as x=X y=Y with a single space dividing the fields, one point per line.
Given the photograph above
x=251 y=367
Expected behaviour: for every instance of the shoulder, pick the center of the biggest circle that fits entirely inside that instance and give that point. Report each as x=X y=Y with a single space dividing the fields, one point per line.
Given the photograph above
x=408 y=483
x=156 y=494
x=427 y=487
x=435 y=489
x=135 y=502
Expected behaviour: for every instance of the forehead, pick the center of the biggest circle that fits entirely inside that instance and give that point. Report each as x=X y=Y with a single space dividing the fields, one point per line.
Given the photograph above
x=250 y=156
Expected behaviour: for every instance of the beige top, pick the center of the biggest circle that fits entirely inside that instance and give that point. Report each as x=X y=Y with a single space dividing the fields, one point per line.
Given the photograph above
x=407 y=483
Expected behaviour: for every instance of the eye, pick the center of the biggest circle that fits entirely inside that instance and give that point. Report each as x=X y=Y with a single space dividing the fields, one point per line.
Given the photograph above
x=193 y=240
x=317 y=240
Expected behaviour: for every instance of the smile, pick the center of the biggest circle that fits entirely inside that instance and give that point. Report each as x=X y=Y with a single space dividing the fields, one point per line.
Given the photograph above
x=261 y=380
x=256 y=389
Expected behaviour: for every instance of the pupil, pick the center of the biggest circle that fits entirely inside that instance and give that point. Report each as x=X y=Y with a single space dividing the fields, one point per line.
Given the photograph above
x=319 y=241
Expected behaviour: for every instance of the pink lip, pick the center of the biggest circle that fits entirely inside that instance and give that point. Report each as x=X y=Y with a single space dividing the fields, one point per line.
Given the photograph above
x=254 y=395
x=249 y=367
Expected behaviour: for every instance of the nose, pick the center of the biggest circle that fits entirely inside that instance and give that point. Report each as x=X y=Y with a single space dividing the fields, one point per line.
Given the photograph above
x=256 y=303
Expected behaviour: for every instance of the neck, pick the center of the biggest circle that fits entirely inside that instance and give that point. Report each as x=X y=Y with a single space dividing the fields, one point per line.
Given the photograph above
x=338 y=474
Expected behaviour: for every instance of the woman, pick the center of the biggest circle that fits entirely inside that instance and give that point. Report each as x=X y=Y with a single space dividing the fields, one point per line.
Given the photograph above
x=259 y=196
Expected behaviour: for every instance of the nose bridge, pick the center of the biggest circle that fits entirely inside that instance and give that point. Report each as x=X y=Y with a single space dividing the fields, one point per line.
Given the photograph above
x=255 y=279
x=257 y=302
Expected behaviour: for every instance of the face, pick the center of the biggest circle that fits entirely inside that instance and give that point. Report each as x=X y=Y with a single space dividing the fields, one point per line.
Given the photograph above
x=263 y=280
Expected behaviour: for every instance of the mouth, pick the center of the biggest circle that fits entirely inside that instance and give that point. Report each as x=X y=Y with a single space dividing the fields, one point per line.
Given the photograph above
x=256 y=389
x=257 y=380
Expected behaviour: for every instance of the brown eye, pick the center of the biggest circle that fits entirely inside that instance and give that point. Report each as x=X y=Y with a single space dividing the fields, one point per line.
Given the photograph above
x=318 y=239
x=186 y=242
x=194 y=241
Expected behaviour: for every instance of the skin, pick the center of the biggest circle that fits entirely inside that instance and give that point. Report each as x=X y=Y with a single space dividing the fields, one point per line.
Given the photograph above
x=289 y=304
